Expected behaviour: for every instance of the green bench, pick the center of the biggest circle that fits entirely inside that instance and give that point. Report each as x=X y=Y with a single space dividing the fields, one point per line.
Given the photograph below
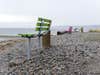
x=42 y=28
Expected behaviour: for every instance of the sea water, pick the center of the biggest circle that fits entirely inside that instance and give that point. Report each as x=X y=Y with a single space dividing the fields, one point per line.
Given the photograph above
x=53 y=29
x=14 y=31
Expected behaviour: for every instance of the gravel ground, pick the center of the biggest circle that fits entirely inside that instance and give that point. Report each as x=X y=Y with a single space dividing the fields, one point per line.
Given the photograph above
x=69 y=54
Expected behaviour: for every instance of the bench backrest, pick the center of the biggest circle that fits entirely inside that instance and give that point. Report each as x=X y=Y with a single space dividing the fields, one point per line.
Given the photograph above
x=43 y=25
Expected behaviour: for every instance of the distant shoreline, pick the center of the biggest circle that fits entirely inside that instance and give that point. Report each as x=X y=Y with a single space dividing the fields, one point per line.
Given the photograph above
x=52 y=28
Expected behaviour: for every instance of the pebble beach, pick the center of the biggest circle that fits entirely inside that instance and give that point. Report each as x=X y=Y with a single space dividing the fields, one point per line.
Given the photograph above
x=69 y=54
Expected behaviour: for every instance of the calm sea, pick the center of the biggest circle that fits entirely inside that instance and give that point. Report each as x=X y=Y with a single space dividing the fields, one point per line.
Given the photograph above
x=14 y=31
x=32 y=30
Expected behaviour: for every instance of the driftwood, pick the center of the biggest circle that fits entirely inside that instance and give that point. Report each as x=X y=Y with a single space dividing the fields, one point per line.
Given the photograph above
x=63 y=32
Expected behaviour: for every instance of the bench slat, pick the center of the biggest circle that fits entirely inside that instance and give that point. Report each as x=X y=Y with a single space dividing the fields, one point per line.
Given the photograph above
x=45 y=20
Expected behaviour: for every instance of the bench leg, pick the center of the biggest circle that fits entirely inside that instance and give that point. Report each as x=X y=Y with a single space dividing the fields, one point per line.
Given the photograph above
x=40 y=46
x=29 y=49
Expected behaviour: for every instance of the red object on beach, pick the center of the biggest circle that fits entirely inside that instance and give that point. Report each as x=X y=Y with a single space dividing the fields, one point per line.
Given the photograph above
x=69 y=30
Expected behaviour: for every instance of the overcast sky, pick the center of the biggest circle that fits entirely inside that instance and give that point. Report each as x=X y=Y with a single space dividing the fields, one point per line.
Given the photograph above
x=61 y=12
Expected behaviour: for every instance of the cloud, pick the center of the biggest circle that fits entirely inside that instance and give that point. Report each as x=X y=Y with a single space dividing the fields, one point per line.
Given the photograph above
x=61 y=12
x=14 y=18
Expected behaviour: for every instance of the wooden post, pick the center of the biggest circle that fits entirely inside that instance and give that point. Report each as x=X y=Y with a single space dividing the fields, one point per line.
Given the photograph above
x=46 y=40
